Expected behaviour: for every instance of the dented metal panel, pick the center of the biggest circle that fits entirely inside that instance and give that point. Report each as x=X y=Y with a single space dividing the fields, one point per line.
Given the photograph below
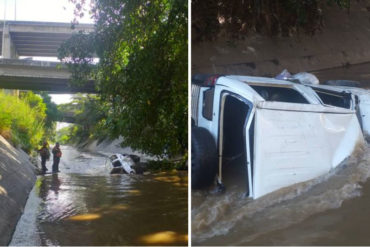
x=364 y=107
x=363 y=104
x=293 y=146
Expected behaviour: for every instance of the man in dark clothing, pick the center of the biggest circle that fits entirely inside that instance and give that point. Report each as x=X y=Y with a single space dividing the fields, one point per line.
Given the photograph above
x=45 y=155
x=56 y=155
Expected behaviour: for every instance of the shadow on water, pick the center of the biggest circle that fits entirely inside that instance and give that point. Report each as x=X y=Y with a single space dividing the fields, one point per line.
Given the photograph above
x=85 y=209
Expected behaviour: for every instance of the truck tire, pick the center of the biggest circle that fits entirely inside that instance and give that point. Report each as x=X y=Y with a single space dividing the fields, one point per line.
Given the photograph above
x=203 y=158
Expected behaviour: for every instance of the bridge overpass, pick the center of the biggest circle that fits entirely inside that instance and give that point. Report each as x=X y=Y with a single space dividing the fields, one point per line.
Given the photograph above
x=52 y=77
x=68 y=117
x=37 y=39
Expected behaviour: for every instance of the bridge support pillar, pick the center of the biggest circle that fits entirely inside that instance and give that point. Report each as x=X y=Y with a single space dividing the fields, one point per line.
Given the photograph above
x=9 y=51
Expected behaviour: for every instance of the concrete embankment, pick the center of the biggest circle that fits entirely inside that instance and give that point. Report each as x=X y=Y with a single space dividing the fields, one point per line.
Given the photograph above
x=108 y=147
x=339 y=51
x=17 y=177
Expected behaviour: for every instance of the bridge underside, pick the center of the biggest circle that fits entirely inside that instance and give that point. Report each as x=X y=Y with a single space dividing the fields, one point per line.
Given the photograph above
x=39 y=76
x=28 y=38
x=38 y=39
x=68 y=119
x=53 y=86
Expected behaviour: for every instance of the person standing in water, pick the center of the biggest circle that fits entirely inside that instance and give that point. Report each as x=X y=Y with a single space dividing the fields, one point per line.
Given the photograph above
x=45 y=155
x=56 y=155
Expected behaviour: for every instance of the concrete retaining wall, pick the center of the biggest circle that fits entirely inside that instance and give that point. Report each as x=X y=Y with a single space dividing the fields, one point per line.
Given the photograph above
x=17 y=177
x=108 y=147
x=344 y=41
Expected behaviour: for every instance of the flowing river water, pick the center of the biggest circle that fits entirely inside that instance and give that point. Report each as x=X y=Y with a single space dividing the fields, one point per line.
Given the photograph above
x=84 y=205
x=333 y=209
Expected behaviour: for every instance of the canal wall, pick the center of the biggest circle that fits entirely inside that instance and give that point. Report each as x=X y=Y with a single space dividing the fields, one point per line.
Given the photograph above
x=342 y=43
x=108 y=147
x=17 y=177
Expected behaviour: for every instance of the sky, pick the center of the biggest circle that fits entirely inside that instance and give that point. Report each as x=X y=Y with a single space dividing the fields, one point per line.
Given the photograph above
x=45 y=11
x=39 y=10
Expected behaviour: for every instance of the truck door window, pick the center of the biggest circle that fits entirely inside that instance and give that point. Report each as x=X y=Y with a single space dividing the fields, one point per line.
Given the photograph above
x=333 y=98
x=281 y=94
x=207 y=110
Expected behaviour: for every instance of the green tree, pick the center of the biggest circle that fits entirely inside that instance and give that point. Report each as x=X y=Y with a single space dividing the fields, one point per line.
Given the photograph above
x=52 y=116
x=142 y=70
x=52 y=113
x=48 y=111
x=63 y=135
x=90 y=114
x=22 y=119
x=36 y=103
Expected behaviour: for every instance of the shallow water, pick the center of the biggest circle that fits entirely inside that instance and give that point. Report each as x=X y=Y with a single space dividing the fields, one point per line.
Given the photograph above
x=331 y=210
x=83 y=205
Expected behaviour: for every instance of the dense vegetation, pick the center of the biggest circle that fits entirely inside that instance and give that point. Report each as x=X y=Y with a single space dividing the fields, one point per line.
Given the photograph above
x=90 y=114
x=142 y=71
x=23 y=120
x=63 y=135
x=52 y=115
x=235 y=18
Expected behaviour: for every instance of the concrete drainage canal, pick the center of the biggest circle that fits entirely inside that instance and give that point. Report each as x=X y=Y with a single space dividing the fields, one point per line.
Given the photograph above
x=85 y=205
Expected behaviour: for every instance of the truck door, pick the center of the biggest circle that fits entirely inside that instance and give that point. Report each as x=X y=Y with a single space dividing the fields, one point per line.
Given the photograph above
x=235 y=138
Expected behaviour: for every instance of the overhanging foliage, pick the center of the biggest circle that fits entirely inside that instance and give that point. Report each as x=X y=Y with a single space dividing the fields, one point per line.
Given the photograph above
x=142 y=72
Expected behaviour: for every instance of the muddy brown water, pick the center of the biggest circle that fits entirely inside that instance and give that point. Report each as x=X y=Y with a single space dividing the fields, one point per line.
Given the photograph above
x=83 y=205
x=333 y=209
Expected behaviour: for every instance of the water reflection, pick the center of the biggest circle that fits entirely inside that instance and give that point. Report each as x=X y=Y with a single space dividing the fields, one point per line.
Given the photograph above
x=46 y=184
x=84 y=217
x=104 y=210
x=55 y=183
x=43 y=188
x=3 y=191
x=161 y=238
x=86 y=209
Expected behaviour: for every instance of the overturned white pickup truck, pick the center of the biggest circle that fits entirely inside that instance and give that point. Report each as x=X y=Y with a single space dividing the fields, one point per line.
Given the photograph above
x=284 y=132
x=122 y=163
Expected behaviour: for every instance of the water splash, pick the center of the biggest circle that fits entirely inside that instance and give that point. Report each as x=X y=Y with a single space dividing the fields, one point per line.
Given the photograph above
x=234 y=219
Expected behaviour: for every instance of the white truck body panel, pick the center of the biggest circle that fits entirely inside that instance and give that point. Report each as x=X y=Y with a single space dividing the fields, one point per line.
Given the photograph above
x=364 y=103
x=296 y=146
x=293 y=142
